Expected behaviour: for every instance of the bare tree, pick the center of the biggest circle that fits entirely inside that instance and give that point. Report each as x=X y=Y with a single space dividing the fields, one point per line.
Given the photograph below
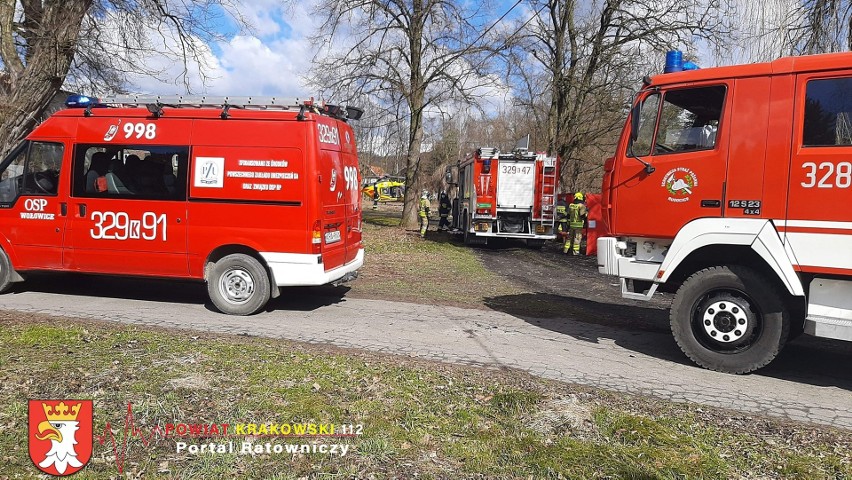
x=773 y=28
x=90 y=43
x=825 y=27
x=592 y=55
x=411 y=56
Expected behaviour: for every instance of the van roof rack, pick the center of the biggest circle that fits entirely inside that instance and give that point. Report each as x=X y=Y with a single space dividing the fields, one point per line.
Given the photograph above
x=199 y=101
x=228 y=102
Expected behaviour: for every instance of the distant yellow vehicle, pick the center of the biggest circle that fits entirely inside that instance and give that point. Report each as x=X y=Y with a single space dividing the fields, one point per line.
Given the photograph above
x=389 y=190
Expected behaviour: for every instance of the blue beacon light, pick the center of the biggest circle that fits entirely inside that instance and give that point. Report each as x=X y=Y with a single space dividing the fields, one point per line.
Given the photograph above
x=80 y=101
x=675 y=63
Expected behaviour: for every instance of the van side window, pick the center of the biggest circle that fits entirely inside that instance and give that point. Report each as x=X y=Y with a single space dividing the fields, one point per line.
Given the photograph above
x=32 y=169
x=131 y=172
x=689 y=119
x=828 y=113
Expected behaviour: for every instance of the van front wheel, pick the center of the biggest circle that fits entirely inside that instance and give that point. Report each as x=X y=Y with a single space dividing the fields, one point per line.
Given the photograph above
x=238 y=285
x=5 y=272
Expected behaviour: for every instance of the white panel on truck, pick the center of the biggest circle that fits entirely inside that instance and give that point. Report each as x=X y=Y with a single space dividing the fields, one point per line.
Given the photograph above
x=515 y=184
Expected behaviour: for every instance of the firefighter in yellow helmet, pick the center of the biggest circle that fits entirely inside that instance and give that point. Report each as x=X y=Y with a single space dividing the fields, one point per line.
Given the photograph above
x=423 y=211
x=577 y=214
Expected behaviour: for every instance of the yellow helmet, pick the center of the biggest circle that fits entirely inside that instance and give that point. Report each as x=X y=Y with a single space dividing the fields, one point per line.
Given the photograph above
x=579 y=196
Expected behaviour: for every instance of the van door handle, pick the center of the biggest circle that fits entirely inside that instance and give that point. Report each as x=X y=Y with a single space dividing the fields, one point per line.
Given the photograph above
x=711 y=203
x=82 y=208
x=63 y=209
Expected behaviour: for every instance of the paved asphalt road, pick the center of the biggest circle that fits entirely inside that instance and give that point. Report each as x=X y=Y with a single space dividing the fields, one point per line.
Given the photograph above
x=811 y=380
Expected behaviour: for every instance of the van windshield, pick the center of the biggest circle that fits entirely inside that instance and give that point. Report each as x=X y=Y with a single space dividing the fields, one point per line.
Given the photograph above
x=31 y=169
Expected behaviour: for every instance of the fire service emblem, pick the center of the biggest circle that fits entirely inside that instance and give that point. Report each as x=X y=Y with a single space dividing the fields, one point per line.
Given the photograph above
x=680 y=183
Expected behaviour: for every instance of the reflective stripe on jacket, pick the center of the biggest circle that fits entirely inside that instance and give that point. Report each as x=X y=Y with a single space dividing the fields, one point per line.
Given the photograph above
x=576 y=215
x=425 y=206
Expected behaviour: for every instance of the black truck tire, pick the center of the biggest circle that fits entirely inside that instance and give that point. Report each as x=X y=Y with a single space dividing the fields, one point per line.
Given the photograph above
x=729 y=319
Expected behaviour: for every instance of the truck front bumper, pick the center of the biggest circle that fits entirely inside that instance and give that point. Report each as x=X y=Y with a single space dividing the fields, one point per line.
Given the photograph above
x=611 y=261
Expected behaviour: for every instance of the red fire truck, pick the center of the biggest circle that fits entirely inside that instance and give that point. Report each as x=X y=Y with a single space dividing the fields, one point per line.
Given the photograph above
x=247 y=194
x=507 y=195
x=732 y=186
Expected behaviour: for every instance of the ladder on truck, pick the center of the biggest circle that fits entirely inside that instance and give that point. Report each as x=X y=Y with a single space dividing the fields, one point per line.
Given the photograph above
x=548 y=189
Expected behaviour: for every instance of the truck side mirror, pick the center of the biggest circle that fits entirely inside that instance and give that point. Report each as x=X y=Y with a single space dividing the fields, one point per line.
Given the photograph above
x=448 y=176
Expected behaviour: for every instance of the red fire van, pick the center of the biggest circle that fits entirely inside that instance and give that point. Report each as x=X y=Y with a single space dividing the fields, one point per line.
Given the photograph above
x=246 y=194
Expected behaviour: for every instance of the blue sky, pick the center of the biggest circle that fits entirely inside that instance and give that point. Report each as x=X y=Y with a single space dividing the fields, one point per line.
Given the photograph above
x=270 y=59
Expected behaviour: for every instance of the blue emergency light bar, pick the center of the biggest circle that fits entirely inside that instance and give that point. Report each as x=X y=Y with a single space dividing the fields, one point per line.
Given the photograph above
x=82 y=101
x=675 y=63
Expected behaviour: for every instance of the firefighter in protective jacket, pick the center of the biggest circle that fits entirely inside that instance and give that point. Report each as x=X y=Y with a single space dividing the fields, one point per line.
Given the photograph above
x=577 y=214
x=444 y=211
x=425 y=206
x=562 y=220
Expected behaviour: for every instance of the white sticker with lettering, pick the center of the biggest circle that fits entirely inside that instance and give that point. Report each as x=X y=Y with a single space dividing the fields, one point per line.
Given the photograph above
x=209 y=172
x=351 y=176
x=133 y=130
x=332 y=185
x=119 y=226
x=328 y=134
x=35 y=210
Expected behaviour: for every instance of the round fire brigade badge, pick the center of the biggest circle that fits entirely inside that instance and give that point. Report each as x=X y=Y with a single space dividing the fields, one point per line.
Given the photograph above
x=680 y=183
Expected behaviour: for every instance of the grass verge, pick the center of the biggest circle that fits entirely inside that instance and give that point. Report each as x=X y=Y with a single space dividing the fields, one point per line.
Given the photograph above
x=420 y=420
x=402 y=266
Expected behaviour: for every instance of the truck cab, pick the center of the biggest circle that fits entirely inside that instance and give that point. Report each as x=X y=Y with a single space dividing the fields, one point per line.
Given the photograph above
x=729 y=186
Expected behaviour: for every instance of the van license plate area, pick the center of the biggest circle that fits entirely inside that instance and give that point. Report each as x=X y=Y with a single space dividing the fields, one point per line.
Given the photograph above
x=332 y=237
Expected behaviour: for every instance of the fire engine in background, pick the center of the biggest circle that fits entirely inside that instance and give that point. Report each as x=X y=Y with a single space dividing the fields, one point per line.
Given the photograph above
x=247 y=194
x=733 y=185
x=507 y=195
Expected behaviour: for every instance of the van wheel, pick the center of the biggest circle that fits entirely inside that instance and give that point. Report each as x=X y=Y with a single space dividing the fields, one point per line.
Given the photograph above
x=238 y=285
x=729 y=319
x=5 y=272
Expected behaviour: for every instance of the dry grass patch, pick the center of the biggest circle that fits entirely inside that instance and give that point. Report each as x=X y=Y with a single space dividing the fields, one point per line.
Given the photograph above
x=421 y=420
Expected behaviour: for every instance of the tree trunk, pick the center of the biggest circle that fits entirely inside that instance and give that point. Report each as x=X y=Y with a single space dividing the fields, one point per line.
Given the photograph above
x=30 y=86
x=412 y=163
x=416 y=99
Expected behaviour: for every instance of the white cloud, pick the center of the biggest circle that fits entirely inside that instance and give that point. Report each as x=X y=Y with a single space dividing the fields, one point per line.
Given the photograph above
x=248 y=66
x=263 y=63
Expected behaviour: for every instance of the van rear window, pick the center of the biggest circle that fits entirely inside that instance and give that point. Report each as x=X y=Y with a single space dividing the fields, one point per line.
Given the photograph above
x=131 y=171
